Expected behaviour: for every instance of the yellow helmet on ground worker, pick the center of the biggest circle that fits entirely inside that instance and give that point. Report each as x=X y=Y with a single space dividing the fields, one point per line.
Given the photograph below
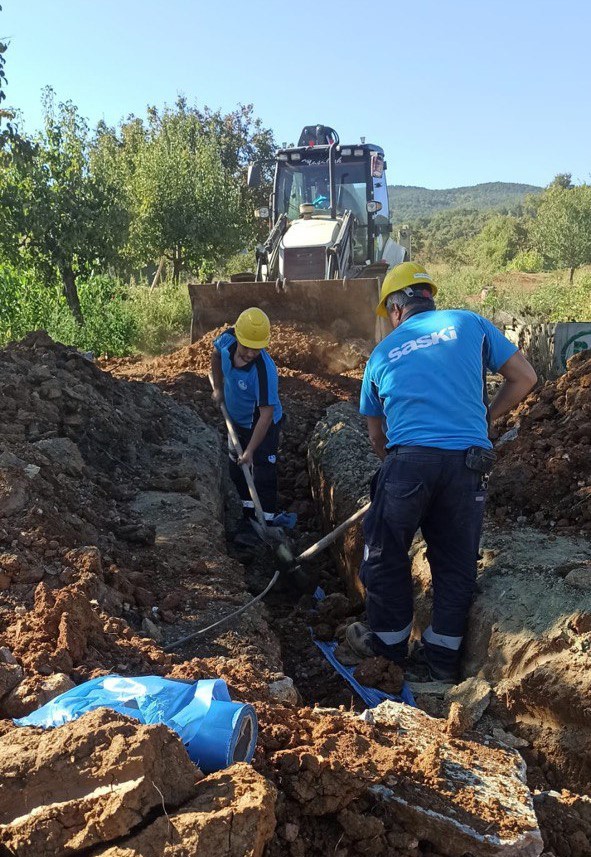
x=403 y=276
x=253 y=328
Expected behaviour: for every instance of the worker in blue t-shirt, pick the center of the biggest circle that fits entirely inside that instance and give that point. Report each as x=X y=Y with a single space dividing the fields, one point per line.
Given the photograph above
x=245 y=378
x=424 y=396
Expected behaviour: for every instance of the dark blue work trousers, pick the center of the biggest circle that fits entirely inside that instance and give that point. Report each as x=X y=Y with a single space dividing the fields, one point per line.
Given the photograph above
x=431 y=489
x=264 y=470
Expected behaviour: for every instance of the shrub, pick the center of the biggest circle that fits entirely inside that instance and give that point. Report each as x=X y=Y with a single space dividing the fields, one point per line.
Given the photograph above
x=528 y=262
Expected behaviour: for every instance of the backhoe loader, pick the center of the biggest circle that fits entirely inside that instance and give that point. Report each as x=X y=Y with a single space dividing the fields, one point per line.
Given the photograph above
x=328 y=246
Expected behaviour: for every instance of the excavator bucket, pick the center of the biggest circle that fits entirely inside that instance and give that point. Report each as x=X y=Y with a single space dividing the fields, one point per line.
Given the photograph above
x=350 y=302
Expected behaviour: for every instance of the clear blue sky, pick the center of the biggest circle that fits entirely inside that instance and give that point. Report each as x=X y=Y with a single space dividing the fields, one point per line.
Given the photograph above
x=456 y=91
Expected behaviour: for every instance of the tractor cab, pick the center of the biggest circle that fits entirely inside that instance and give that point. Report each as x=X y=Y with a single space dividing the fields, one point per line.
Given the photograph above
x=334 y=179
x=328 y=246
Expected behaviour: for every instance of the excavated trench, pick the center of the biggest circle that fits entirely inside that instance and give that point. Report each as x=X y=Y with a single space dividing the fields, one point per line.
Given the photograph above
x=154 y=564
x=529 y=630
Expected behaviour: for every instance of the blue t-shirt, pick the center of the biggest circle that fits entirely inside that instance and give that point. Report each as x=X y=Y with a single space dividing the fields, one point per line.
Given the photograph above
x=250 y=387
x=428 y=378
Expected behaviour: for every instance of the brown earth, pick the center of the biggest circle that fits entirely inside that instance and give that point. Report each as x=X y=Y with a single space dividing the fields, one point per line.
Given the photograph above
x=529 y=633
x=66 y=790
x=112 y=544
x=544 y=475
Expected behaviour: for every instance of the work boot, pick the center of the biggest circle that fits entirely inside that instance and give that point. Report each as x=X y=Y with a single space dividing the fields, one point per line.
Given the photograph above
x=442 y=675
x=419 y=661
x=358 y=637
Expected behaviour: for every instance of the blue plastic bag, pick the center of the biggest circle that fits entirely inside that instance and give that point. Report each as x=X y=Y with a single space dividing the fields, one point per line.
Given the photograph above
x=215 y=730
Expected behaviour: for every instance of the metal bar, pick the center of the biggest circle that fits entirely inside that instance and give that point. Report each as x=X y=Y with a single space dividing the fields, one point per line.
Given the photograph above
x=333 y=199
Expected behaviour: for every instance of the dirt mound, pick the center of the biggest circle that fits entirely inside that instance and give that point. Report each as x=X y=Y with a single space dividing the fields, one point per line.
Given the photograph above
x=112 y=774
x=544 y=474
x=400 y=772
x=566 y=822
x=231 y=815
x=111 y=539
x=300 y=347
x=66 y=632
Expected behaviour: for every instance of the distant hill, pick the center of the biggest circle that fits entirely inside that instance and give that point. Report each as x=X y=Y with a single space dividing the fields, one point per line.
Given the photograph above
x=408 y=203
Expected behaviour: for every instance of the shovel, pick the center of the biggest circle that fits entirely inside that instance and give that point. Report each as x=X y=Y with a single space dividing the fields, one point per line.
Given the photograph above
x=293 y=565
x=294 y=568
x=273 y=536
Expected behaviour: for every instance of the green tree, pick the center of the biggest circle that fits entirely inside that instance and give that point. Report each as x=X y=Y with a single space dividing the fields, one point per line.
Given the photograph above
x=183 y=171
x=562 y=228
x=499 y=241
x=2 y=71
x=5 y=115
x=64 y=220
x=563 y=180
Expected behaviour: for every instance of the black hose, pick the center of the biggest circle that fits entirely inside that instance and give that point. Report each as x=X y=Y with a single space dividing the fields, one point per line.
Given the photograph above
x=172 y=646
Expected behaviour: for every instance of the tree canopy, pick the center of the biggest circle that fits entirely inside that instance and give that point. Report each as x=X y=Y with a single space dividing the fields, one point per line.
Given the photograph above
x=170 y=186
x=65 y=220
x=562 y=227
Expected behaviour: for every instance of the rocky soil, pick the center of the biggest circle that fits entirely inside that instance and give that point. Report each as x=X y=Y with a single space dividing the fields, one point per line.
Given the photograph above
x=529 y=635
x=112 y=544
x=543 y=475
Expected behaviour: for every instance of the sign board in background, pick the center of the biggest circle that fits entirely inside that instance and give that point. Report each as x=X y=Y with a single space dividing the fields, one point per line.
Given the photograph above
x=549 y=346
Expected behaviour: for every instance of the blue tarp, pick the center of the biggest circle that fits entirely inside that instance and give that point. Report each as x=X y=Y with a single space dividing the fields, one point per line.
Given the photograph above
x=215 y=730
x=370 y=695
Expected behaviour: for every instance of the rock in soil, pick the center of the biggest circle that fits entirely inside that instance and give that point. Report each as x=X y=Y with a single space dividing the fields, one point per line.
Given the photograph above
x=381 y=673
x=87 y=782
x=460 y=796
x=469 y=700
x=230 y=815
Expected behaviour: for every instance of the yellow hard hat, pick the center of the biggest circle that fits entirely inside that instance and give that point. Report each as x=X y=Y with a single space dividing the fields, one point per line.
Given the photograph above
x=400 y=277
x=253 y=328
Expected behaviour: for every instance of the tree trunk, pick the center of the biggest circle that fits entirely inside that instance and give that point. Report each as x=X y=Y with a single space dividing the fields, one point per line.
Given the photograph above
x=571 y=275
x=71 y=293
x=158 y=273
x=177 y=264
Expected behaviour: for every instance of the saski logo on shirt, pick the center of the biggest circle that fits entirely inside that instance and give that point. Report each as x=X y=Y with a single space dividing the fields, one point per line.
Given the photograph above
x=446 y=334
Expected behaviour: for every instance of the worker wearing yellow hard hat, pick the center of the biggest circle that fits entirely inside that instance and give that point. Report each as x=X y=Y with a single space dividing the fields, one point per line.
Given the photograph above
x=253 y=328
x=245 y=378
x=424 y=396
x=408 y=275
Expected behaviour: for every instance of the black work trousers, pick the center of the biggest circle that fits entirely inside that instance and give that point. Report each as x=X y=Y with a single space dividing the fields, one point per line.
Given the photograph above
x=431 y=489
x=264 y=470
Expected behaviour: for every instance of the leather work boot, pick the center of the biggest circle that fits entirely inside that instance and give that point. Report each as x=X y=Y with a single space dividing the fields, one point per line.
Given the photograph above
x=358 y=637
x=419 y=668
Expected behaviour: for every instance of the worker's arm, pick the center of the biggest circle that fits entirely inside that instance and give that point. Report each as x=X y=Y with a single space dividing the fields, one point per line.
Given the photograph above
x=378 y=440
x=260 y=430
x=520 y=378
x=218 y=376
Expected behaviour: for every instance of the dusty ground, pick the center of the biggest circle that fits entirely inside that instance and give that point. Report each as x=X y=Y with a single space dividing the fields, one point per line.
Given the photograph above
x=544 y=474
x=112 y=544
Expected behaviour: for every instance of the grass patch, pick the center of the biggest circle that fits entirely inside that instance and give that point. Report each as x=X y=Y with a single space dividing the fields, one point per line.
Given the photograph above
x=119 y=319
x=162 y=317
x=540 y=297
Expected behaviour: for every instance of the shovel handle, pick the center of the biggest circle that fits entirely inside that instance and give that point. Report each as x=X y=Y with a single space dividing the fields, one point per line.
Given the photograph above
x=333 y=536
x=258 y=509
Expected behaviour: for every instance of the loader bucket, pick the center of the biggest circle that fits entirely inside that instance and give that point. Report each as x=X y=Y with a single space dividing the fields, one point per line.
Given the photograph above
x=351 y=302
